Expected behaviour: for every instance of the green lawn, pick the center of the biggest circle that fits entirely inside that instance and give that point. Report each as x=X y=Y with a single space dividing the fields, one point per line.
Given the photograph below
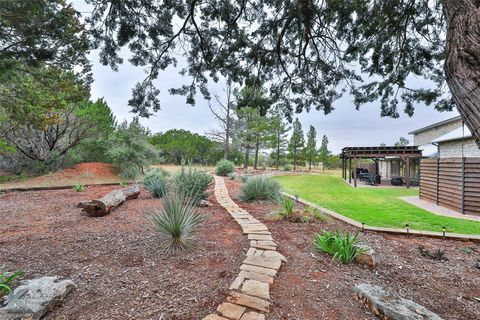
x=379 y=207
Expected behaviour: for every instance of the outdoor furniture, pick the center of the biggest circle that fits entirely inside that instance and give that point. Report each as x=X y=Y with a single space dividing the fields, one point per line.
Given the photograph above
x=397 y=181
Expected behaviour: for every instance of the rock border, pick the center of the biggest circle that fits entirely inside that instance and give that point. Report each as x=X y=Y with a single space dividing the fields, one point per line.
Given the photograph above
x=249 y=297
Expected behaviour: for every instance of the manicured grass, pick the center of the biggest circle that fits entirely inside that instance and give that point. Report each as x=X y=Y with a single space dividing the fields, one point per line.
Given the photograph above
x=379 y=207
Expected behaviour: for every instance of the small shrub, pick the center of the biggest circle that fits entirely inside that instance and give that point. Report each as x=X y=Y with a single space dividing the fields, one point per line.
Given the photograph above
x=79 y=187
x=5 y=281
x=437 y=254
x=192 y=182
x=260 y=188
x=123 y=184
x=232 y=176
x=176 y=221
x=156 y=183
x=342 y=247
x=159 y=171
x=287 y=207
x=287 y=167
x=318 y=215
x=129 y=173
x=225 y=167
x=245 y=178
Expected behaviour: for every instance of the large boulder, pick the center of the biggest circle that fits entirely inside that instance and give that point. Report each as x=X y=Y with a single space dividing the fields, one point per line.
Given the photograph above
x=33 y=298
x=389 y=307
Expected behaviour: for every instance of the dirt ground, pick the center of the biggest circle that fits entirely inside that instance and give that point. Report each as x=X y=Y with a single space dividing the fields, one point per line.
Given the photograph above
x=116 y=260
x=83 y=173
x=312 y=286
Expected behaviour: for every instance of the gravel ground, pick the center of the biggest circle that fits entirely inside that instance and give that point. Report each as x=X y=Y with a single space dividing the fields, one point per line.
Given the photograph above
x=116 y=260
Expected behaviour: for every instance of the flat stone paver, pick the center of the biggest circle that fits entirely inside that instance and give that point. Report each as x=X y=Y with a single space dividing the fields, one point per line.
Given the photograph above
x=257 y=289
x=249 y=298
x=231 y=311
x=253 y=316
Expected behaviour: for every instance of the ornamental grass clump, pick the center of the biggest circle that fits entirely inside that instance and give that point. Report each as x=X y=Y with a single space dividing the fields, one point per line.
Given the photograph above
x=342 y=247
x=156 y=182
x=260 y=188
x=6 y=280
x=192 y=182
x=176 y=221
x=225 y=167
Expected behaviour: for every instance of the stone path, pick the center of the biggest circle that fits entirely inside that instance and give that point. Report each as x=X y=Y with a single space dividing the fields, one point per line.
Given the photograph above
x=249 y=297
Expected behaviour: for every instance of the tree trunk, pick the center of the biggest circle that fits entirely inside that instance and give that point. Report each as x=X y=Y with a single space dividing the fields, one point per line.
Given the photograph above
x=226 y=146
x=100 y=207
x=294 y=161
x=245 y=158
x=257 y=147
x=462 y=62
x=278 y=154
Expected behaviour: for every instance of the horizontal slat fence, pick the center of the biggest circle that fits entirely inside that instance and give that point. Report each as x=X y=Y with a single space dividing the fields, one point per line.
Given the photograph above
x=452 y=182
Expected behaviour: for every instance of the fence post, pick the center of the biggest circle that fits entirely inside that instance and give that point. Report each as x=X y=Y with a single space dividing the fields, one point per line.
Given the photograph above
x=463 y=185
x=438 y=182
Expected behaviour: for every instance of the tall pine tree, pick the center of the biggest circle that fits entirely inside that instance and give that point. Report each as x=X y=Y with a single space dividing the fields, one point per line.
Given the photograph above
x=311 y=149
x=324 y=152
x=278 y=135
x=297 y=142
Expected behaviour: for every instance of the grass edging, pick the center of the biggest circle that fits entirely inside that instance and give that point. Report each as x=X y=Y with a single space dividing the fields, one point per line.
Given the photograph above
x=422 y=233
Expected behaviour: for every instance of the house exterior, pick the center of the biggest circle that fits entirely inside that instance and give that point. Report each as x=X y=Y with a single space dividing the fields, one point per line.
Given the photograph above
x=444 y=139
x=450 y=138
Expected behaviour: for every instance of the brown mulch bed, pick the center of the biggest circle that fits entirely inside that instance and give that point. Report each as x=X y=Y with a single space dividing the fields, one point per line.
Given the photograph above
x=312 y=286
x=82 y=173
x=116 y=261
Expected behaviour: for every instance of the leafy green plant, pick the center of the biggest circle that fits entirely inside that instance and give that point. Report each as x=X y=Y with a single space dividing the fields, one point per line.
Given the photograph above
x=6 y=279
x=318 y=215
x=287 y=207
x=232 y=176
x=156 y=183
x=192 y=182
x=176 y=220
x=79 y=187
x=129 y=173
x=123 y=183
x=260 y=188
x=225 y=167
x=342 y=247
x=287 y=167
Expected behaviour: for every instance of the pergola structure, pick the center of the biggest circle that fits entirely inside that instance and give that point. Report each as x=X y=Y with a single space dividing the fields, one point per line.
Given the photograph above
x=404 y=153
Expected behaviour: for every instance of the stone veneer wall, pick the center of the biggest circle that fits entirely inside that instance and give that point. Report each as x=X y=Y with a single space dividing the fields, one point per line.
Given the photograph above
x=427 y=136
x=452 y=149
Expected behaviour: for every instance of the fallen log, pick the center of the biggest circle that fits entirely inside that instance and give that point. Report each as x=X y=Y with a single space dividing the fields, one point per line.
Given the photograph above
x=102 y=206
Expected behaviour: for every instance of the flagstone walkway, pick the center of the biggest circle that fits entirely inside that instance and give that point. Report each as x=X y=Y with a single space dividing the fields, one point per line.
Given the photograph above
x=249 y=298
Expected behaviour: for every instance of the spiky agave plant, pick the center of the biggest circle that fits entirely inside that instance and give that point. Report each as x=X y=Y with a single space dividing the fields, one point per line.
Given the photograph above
x=176 y=221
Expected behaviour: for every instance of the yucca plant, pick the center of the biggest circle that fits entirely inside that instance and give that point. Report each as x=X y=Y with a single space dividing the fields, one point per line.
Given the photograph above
x=156 y=182
x=5 y=281
x=192 y=182
x=260 y=188
x=176 y=220
x=342 y=247
x=79 y=187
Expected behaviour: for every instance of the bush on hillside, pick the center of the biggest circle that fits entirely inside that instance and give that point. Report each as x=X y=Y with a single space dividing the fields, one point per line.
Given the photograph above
x=260 y=188
x=225 y=167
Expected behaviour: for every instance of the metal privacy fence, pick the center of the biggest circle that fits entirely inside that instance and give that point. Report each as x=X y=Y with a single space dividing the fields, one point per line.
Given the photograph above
x=452 y=182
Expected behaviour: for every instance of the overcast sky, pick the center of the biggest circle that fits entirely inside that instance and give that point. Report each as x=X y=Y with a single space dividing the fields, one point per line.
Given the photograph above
x=345 y=126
